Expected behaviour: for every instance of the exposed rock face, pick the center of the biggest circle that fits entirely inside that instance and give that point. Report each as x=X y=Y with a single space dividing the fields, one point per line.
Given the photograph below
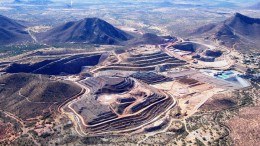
x=68 y=65
x=190 y=46
x=213 y=53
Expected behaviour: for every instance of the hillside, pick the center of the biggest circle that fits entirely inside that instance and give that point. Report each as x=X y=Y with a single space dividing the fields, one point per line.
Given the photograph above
x=12 y=32
x=29 y=95
x=147 y=38
x=66 y=65
x=239 y=31
x=89 y=30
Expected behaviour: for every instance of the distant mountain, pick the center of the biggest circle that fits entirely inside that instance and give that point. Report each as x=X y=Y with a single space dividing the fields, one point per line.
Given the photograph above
x=12 y=32
x=149 y=38
x=165 y=4
x=255 y=6
x=34 y=2
x=89 y=30
x=238 y=31
x=17 y=1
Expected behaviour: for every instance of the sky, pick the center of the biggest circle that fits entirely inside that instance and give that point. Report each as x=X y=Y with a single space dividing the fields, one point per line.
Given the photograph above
x=245 y=2
x=144 y=0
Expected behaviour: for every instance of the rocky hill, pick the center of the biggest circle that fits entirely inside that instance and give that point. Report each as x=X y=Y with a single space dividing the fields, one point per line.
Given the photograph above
x=147 y=38
x=89 y=30
x=30 y=95
x=12 y=32
x=239 y=31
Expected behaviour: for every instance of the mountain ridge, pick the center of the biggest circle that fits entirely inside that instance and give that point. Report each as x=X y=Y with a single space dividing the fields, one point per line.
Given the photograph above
x=12 y=32
x=87 y=30
x=238 y=31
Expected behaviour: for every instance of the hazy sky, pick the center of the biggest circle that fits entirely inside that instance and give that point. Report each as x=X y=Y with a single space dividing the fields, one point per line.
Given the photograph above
x=146 y=0
x=245 y=2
